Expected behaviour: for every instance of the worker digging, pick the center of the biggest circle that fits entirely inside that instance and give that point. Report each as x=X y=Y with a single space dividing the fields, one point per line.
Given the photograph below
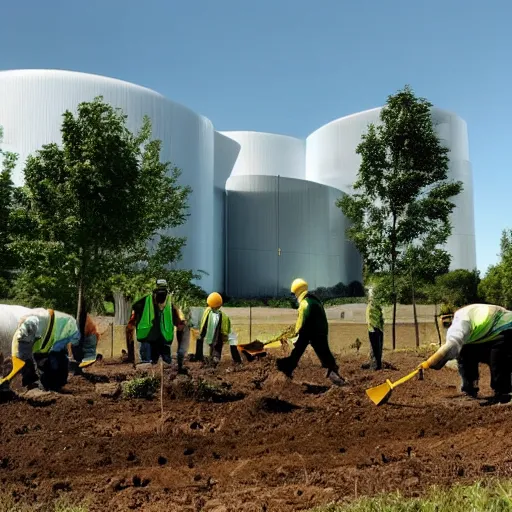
x=311 y=328
x=37 y=341
x=479 y=333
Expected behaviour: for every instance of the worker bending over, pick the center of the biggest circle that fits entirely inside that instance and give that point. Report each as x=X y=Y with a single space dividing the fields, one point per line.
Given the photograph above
x=39 y=346
x=153 y=320
x=479 y=333
x=215 y=328
x=311 y=327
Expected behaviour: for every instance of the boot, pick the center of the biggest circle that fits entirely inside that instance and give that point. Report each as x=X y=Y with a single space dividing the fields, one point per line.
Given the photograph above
x=283 y=365
x=336 y=379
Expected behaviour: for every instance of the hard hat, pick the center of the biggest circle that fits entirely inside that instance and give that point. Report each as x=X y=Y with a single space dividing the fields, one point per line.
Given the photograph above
x=299 y=286
x=161 y=284
x=214 y=300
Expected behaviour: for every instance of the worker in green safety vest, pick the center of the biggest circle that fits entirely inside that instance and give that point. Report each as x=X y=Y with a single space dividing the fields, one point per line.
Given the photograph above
x=153 y=319
x=479 y=333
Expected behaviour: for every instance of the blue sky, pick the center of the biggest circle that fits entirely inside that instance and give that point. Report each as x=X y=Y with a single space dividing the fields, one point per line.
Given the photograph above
x=289 y=66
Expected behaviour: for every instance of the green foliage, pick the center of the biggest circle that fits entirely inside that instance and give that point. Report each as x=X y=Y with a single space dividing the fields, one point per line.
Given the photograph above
x=90 y=206
x=7 y=258
x=457 y=288
x=496 y=286
x=493 y=496
x=402 y=196
x=141 y=387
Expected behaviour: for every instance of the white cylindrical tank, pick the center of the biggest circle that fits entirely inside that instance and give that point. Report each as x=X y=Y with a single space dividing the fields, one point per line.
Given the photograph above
x=9 y=320
x=331 y=159
x=31 y=106
x=269 y=154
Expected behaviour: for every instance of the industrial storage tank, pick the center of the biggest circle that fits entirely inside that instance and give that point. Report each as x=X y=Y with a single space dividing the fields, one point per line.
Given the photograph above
x=269 y=154
x=283 y=228
x=31 y=106
x=331 y=159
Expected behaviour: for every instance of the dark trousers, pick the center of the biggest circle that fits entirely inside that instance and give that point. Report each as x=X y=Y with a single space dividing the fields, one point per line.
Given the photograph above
x=216 y=350
x=51 y=370
x=376 y=347
x=152 y=351
x=320 y=345
x=496 y=354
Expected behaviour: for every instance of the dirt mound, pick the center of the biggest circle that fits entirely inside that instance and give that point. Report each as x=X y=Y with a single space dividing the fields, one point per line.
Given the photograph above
x=281 y=445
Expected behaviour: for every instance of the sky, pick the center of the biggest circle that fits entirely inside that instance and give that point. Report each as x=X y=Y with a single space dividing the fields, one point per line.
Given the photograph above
x=290 y=66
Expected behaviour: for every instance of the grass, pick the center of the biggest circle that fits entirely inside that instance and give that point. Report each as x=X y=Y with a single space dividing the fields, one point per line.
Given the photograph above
x=490 y=496
x=9 y=504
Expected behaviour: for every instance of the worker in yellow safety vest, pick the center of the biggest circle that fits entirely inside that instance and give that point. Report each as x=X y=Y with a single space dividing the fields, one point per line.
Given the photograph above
x=215 y=329
x=479 y=333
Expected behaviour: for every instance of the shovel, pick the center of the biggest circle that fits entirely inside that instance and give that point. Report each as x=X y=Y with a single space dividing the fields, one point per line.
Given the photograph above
x=380 y=394
x=17 y=365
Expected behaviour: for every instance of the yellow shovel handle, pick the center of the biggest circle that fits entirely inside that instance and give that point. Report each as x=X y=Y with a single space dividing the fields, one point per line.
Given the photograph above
x=405 y=379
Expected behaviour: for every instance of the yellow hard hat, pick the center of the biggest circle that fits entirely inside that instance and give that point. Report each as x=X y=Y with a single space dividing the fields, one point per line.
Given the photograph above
x=214 y=300
x=299 y=286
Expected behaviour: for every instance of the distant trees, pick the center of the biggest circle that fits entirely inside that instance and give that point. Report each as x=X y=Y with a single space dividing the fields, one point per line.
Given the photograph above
x=403 y=199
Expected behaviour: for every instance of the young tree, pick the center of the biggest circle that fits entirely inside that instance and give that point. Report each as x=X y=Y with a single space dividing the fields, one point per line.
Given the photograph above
x=94 y=202
x=402 y=192
x=7 y=262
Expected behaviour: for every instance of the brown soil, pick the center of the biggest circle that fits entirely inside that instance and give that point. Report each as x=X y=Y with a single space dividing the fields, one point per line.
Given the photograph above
x=278 y=446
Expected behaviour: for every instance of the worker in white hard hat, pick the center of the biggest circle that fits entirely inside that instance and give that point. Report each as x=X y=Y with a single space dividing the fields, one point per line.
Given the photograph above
x=215 y=329
x=479 y=333
x=153 y=319
x=311 y=328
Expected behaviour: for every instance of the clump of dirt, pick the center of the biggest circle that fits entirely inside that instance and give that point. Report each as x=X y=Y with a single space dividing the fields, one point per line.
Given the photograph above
x=250 y=439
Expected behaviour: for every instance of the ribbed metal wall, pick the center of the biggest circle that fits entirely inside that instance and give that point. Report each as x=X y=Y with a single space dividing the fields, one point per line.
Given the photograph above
x=283 y=228
x=31 y=106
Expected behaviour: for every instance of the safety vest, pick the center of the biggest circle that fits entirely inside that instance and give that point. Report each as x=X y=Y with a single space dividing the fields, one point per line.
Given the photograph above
x=487 y=321
x=225 y=326
x=148 y=315
x=43 y=344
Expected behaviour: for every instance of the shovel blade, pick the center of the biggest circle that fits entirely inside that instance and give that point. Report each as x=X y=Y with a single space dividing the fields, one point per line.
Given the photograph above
x=380 y=394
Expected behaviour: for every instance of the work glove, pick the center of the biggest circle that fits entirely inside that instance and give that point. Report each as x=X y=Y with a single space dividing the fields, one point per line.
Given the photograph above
x=434 y=361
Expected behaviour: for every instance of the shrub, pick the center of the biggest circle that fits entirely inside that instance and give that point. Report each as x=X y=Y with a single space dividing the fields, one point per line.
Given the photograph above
x=141 y=387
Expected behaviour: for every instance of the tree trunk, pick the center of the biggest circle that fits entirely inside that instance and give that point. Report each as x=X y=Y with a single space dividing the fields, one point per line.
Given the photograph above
x=437 y=324
x=122 y=309
x=416 y=328
x=393 y=285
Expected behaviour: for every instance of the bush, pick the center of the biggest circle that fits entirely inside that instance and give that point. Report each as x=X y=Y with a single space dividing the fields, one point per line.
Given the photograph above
x=141 y=387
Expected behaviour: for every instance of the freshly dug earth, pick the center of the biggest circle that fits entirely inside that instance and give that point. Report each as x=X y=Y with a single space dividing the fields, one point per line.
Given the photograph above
x=271 y=445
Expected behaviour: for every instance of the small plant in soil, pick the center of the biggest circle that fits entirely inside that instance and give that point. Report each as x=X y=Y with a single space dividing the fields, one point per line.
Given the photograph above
x=141 y=387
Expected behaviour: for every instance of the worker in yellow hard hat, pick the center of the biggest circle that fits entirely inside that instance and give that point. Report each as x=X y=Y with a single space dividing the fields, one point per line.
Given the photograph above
x=479 y=333
x=311 y=328
x=215 y=328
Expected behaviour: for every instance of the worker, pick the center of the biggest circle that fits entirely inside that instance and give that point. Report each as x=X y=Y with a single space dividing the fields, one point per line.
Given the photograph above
x=479 y=333
x=375 y=322
x=311 y=328
x=215 y=328
x=153 y=319
x=39 y=345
